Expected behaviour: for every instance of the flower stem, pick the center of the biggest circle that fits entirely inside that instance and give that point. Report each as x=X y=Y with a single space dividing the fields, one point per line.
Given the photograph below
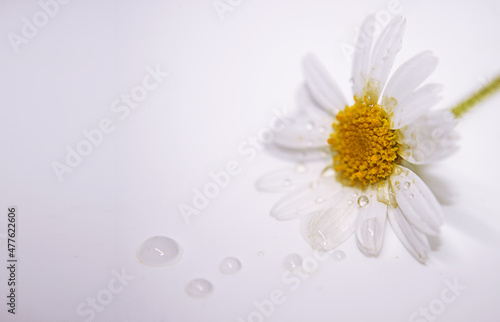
x=467 y=104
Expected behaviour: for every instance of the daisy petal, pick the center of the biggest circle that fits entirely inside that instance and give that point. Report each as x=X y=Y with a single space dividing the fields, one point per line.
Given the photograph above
x=370 y=226
x=428 y=139
x=410 y=75
x=323 y=88
x=301 y=155
x=383 y=55
x=417 y=201
x=361 y=56
x=329 y=228
x=414 y=241
x=306 y=200
x=288 y=179
x=304 y=132
x=415 y=105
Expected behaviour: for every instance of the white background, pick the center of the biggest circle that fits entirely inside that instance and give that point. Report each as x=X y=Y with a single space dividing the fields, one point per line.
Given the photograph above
x=225 y=78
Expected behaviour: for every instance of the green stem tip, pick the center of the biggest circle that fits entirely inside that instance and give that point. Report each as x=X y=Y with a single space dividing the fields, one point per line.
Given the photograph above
x=467 y=104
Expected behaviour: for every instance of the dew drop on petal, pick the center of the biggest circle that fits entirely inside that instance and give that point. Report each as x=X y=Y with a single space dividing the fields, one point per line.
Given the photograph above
x=300 y=168
x=320 y=200
x=310 y=126
x=230 y=266
x=398 y=170
x=261 y=253
x=354 y=195
x=328 y=172
x=338 y=255
x=292 y=262
x=349 y=202
x=321 y=129
x=199 y=288
x=407 y=185
x=159 y=251
x=313 y=185
x=411 y=196
x=287 y=182
x=363 y=201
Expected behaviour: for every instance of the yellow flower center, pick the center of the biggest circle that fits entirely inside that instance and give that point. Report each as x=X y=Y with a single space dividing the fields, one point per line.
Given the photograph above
x=364 y=146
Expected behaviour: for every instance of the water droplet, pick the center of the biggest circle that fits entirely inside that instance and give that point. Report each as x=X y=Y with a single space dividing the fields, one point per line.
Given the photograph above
x=411 y=196
x=159 y=251
x=314 y=185
x=354 y=195
x=310 y=126
x=406 y=185
x=363 y=201
x=349 y=202
x=300 y=168
x=328 y=172
x=338 y=255
x=292 y=262
x=398 y=170
x=199 y=288
x=287 y=182
x=261 y=253
x=321 y=129
x=320 y=200
x=230 y=265
x=369 y=228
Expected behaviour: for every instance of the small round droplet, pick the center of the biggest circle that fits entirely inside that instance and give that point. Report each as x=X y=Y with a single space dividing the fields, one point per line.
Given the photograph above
x=407 y=185
x=354 y=195
x=292 y=262
x=300 y=168
x=309 y=126
x=261 y=253
x=363 y=201
x=338 y=255
x=320 y=200
x=398 y=170
x=230 y=266
x=349 y=202
x=199 y=288
x=411 y=196
x=321 y=129
x=159 y=251
x=287 y=182
x=328 y=172
x=313 y=185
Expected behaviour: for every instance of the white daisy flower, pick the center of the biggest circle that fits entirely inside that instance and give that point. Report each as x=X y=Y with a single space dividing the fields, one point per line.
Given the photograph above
x=368 y=150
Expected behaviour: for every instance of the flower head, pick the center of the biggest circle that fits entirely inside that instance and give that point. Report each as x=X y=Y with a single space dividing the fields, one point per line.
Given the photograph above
x=368 y=151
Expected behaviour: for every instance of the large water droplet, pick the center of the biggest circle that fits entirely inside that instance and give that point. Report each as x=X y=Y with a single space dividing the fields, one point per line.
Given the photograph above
x=407 y=185
x=159 y=251
x=363 y=201
x=199 y=288
x=292 y=262
x=230 y=265
x=338 y=255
